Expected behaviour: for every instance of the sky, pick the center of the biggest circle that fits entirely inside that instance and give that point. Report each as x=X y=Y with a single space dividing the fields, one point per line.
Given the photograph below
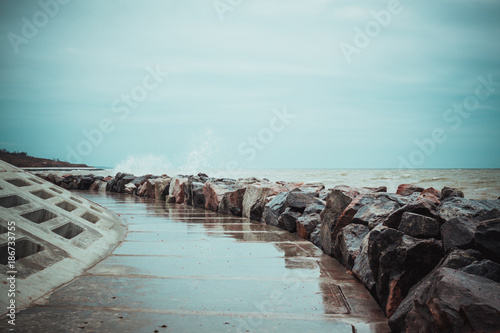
x=249 y=84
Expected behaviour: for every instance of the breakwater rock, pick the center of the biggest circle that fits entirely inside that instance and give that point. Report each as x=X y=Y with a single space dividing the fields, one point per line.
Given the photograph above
x=431 y=258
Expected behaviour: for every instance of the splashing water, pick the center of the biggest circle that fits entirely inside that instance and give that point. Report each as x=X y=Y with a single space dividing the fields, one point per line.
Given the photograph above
x=206 y=147
x=144 y=164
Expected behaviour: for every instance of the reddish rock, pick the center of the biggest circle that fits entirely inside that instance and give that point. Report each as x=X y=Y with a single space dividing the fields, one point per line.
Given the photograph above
x=348 y=243
x=95 y=185
x=397 y=262
x=147 y=189
x=369 y=209
x=447 y=192
x=288 y=220
x=214 y=191
x=176 y=188
x=425 y=204
x=432 y=191
x=429 y=201
x=337 y=201
x=232 y=202
x=306 y=225
x=408 y=189
x=452 y=301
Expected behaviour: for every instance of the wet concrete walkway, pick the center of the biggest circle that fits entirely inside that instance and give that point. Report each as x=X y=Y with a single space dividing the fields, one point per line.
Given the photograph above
x=182 y=269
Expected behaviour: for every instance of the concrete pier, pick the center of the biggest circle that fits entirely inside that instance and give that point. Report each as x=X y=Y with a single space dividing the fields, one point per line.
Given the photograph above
x=182 y=269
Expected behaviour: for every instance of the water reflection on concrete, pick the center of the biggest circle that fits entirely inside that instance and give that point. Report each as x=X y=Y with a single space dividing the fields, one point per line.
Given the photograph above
x=194 y=270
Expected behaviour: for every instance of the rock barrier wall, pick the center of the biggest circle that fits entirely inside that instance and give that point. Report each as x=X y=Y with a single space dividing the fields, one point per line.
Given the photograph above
x=431 y=258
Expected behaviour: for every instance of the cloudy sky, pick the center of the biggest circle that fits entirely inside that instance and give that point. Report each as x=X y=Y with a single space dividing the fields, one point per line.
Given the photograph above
x=253 y=83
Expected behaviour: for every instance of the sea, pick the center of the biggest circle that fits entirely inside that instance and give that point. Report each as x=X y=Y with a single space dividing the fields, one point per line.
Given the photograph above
x=475 y=183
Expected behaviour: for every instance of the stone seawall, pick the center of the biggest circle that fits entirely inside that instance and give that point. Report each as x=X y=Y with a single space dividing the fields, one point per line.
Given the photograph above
x=430 y=258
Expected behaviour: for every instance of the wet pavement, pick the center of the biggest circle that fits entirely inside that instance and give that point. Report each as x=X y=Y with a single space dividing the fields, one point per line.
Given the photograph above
x=182 y=269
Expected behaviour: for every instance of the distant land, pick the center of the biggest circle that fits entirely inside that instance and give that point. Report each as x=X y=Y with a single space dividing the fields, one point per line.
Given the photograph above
x=23 y=160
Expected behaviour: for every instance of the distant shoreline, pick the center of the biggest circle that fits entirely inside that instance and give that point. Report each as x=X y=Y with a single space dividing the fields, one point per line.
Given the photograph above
x=23 y=160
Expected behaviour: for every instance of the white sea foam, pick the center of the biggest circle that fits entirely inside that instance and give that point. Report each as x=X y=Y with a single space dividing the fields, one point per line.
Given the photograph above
x=144 y=164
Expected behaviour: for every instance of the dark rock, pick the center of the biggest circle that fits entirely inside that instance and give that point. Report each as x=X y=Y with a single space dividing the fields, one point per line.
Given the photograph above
x=337 y=201
x=121 y=175
x=84 y=182
x=348 y=244
x=274 y=209
x=315 y=207
x=419 y=226
x=297 y=200
x=485 y=268
x=193 y=191
x=459 y=233
x=487 y=239
x=232 y=202
x=459 y=258
x=306 y=224
x=398 y=262
x=424 y=203
x=448 y=192
x=372 y=209
x=315 y=236
x=452 y=301
x=362 y=268
x=111 y=185
x=456 y=259
x=408 y=189
x=288 y=220
x=138 y=181
x=490 y=215
x=460 y=207
x=120 y=184
x=195 y=183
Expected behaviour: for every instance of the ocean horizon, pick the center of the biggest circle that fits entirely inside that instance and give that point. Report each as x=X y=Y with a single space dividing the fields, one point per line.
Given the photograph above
x=475 y=183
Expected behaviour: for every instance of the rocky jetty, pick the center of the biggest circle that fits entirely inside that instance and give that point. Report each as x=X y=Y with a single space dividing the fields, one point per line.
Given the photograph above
x=430 y=258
